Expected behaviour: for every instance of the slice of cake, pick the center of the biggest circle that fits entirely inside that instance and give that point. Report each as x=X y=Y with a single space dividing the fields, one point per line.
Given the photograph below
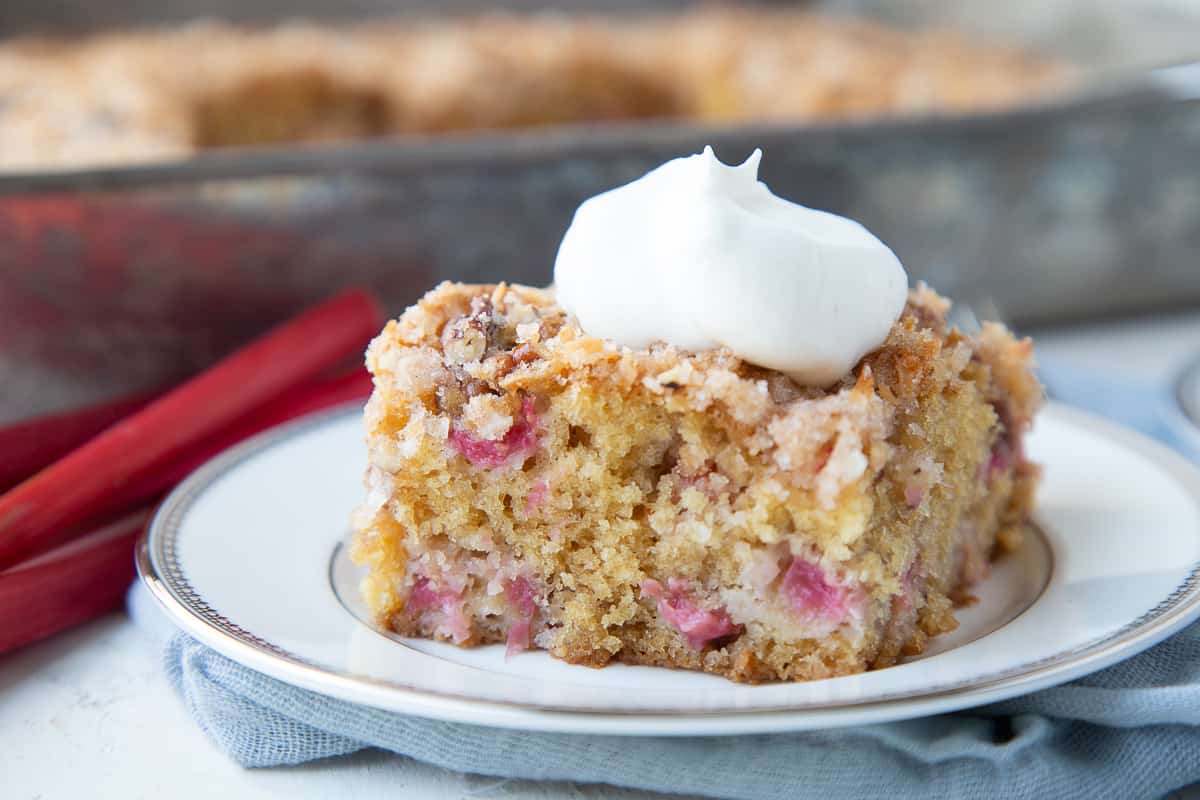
x=747 y=449
x=533 y=485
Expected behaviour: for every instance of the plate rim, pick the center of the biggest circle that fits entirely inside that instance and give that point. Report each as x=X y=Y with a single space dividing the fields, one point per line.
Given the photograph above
x=171 y=589
x=1182 y=408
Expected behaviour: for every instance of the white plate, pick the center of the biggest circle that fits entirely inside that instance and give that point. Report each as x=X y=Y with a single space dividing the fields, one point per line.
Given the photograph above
x=1182 y=410
x=246 y=556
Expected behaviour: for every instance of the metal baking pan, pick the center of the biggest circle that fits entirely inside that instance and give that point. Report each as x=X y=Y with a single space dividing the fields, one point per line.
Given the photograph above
x=120 y=278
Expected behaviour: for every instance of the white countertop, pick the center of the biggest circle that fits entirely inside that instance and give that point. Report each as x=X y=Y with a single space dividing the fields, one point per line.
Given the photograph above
x=89 y=714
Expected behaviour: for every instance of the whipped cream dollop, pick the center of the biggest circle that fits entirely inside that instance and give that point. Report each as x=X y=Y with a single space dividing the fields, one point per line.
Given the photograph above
x=701 y=255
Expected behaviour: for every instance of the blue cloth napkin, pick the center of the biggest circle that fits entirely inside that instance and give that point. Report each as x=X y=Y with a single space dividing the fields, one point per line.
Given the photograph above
x=1130 y=731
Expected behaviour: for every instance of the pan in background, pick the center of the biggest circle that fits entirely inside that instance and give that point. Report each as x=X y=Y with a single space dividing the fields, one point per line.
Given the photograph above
x=117 y=279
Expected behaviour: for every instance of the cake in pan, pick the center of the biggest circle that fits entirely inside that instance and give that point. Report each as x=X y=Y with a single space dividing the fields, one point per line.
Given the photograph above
x=161 y=94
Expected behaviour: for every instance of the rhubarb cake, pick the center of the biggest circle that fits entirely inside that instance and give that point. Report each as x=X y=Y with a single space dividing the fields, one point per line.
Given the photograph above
x=534 y=485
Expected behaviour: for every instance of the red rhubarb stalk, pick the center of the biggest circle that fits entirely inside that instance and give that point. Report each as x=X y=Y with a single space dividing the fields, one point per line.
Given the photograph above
x=150 y=484
x=73 y=488
x=30 y=445
x=87 y=577
x=354 y=386
x=70 y=585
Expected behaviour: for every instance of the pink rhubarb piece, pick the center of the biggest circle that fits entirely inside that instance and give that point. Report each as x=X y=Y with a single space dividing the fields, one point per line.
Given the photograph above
x=698 y=625
x=1001 y=459
x=810 y=592
x=516 y=444
x=537 y=495
x=522 y=597
x=424 y=597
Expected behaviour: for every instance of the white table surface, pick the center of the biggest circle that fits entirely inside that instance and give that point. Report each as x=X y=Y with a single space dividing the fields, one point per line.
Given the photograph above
x=90 y=715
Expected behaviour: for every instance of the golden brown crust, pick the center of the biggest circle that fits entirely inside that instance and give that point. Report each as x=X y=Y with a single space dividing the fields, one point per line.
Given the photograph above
x=621 y=496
